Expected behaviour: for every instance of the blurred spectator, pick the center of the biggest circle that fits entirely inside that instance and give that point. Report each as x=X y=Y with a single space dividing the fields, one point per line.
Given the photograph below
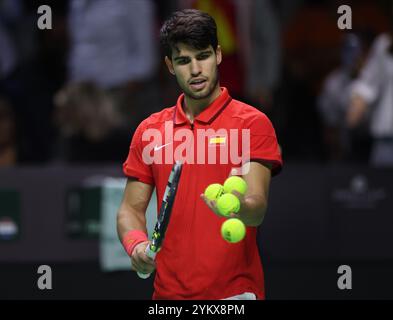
x=334 y=101
x=113 y=46
x=264 y=55
x=311 y=46
x=38 y=73
x=86 y=109
x=88 y=122
x=7 y=54
x=373 y=94
x=8 y=145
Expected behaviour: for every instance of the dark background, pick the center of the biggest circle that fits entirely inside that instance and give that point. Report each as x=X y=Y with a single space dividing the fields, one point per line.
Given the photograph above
x=327 y=208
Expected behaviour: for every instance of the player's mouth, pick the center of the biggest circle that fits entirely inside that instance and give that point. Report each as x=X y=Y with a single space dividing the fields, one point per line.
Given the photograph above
x=198 y=83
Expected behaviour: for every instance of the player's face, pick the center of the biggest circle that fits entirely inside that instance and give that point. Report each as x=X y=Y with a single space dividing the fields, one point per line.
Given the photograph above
x=196 y=70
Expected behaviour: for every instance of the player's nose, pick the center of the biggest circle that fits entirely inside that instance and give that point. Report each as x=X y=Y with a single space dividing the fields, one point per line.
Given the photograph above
x=195 y=68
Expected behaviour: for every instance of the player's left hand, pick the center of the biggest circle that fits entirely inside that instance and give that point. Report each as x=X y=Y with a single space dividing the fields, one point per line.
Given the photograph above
x=212 y=204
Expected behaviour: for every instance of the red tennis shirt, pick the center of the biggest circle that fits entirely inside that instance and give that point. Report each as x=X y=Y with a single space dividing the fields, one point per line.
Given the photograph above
x=195 y=262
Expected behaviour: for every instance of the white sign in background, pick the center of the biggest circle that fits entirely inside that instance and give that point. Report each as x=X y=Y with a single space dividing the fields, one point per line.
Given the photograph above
x=112 y=254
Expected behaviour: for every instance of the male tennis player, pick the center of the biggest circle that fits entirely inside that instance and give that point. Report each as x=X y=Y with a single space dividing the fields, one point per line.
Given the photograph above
x=205 y=129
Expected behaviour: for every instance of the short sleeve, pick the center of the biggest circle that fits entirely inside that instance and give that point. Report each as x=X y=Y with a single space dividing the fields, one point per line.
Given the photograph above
x=134 y=166
x=264 y=147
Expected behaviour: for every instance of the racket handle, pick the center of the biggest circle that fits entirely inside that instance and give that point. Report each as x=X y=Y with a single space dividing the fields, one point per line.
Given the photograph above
x=150 y=254
x=143 y=275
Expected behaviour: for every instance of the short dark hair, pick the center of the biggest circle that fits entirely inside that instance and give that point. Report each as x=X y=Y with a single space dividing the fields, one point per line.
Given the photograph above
x=190 y=26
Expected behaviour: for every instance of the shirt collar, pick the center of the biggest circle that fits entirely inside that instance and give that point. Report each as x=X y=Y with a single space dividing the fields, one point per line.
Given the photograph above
x=208 y=114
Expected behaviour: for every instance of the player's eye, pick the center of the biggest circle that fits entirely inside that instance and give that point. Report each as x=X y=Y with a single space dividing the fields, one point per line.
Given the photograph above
x=204 y=56
x=182 y=61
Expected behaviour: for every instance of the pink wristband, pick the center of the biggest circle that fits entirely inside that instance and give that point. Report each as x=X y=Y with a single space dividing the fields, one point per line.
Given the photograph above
x=132 y=239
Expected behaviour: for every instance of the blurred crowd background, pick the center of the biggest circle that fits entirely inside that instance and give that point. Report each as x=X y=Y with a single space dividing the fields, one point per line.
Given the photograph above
x=76 y=93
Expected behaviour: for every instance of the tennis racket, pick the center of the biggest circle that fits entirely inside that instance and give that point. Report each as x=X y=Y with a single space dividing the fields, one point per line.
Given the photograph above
x=164 y=215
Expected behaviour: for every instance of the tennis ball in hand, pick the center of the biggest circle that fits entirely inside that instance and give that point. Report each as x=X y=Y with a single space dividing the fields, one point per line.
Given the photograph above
x=233 y=230
x=228 y=203
x=235 y=183
x=214 y=191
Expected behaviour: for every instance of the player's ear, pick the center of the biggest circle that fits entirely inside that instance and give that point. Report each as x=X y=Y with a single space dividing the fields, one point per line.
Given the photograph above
x=169 y=64
x=218 y=54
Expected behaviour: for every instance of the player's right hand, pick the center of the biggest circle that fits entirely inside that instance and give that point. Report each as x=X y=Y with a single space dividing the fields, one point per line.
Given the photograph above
x=140 y=262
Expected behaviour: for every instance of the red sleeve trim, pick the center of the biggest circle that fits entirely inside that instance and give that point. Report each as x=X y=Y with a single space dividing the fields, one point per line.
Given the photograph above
x=137 y=175
x=276 y=164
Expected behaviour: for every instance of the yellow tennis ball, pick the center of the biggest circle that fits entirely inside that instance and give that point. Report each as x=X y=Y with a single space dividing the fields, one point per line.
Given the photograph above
x=214 y=191
x=235 y=183
x=233 y=230
x=228 y=203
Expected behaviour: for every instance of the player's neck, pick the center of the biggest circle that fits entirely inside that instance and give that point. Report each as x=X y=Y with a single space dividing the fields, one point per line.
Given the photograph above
x=193 y=107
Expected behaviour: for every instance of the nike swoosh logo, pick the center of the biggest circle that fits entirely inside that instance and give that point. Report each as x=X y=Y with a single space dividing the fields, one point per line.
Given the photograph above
x=156 y=148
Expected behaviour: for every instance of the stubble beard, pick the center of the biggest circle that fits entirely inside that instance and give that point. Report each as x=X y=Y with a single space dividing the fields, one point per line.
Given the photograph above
x=188 y=93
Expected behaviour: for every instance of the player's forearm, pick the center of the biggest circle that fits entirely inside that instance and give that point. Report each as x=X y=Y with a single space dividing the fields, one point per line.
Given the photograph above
x=130 y=220
x=253 y=210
